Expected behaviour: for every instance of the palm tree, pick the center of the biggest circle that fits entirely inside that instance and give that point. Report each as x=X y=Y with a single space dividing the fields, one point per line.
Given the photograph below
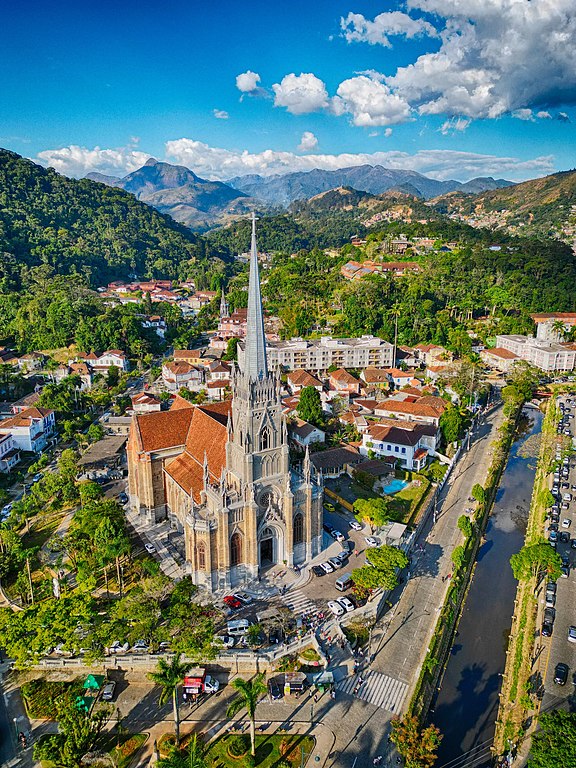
x=169 y=675
x=193 y=756
x=249 y=692
x=559 y=329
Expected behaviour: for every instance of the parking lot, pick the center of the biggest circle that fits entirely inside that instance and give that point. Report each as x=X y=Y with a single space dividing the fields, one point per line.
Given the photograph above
x=561 y=527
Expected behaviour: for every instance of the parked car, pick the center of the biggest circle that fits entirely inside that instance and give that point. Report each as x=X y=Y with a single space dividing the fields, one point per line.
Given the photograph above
x=108 y=691
x=546 y=629
x=372 y=541
x=344 y=554
x=328 y=568
x=150 y=548
x=561 y=674
x=336 y=562
x=336 y=608
x=337 y=535
x=328 y=528
x=566 y=523
x=232 y=602
x=226 y=640
x=244 y=597
x=140 y=646
x=329 y=507
x=347 y=604
x=356 y=525
x=572 y=634
x=565 y=537
x=122 y=497
x=274 y=689
x=317 y=571
x=118 y=647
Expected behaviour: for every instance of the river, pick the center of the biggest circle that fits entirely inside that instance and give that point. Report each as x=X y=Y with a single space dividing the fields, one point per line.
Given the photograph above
x=467 y=704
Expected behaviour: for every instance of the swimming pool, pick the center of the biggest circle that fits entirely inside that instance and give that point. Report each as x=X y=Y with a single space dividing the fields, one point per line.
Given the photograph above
x=394 y=486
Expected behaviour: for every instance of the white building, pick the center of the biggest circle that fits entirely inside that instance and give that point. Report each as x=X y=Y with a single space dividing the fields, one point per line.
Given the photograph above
x=317 y=355
x=9 y=453
x=30 y=429
x=407 y=443
x=305 y=434
x=546 y=355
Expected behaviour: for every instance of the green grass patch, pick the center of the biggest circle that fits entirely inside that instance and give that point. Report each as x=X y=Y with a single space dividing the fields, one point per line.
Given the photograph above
x=125 y=748
x=406 y=502
x=42 y=696
x=272 y=751
x=41 y=529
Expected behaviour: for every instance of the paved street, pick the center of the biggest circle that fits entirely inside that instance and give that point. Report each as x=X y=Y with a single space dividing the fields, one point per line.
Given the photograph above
x=400 y=641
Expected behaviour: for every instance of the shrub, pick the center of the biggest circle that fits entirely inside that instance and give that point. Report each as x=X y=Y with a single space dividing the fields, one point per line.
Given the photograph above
x=238 y=745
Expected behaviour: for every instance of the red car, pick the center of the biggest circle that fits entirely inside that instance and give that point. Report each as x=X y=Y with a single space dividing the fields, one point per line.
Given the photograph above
x=232 y=602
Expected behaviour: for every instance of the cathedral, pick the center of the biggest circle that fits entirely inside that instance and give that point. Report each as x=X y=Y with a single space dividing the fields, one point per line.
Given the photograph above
x=221 y=472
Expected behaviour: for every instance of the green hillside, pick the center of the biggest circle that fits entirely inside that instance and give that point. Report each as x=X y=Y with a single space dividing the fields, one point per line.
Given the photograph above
x=77 y=226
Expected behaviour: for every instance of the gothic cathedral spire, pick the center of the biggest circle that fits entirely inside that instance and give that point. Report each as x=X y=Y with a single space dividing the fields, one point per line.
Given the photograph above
x=255 y=363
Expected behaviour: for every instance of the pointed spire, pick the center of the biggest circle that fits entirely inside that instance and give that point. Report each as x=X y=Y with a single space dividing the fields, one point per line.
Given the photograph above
x=223 y=306
x=255 y=364
x=306 y=467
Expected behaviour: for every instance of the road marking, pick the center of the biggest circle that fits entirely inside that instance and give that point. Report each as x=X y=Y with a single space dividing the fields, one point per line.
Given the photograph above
x=377 y=689
x=298 y=602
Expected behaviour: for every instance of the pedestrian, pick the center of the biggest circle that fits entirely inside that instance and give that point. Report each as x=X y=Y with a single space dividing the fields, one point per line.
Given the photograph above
x=355 y=553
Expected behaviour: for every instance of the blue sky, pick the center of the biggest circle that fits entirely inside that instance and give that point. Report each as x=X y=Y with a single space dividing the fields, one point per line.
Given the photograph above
x=452 y=88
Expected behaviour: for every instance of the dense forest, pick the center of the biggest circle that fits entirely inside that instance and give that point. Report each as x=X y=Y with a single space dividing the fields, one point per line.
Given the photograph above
x=60 y=238
x=79 y=227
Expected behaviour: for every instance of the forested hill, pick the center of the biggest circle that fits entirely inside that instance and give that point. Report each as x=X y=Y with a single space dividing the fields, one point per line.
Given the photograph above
x=77 y=226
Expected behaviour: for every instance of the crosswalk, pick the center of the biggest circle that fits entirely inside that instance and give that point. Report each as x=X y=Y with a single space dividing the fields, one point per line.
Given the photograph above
x=297 y=602
x=377 y=689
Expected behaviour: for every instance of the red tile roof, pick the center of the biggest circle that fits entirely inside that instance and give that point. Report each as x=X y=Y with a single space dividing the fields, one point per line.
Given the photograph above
x=301 y=378
x=162 y=429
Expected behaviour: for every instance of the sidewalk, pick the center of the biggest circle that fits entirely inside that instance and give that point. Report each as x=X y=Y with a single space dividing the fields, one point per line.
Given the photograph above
x=400 y=641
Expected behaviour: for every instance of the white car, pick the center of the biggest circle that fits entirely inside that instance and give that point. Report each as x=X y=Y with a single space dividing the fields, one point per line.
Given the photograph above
x=244 y=597
x=150 y=548
x=211 y=685
x=140 y=646
x=108 y=691
x=347 y=604
x=327 y=567
x=336 y=608
x=337 y=535
x=355 y=525
x=566 y=523
x=118 y=647
x=226 y=640
x=372 y=541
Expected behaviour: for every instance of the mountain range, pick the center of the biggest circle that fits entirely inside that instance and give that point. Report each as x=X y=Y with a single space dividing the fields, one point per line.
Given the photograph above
x=203 y=204
x=177 y=191
x=281 y=190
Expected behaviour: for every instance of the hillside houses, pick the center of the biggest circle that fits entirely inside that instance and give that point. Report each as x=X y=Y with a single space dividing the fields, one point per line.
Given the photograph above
x=31 y=429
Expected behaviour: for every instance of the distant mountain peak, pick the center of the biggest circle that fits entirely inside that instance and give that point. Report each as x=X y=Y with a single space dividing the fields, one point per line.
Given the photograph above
x=152 y=161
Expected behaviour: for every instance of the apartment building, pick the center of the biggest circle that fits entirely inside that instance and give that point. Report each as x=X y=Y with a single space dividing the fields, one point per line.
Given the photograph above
x=317 y=355
x=546 y=355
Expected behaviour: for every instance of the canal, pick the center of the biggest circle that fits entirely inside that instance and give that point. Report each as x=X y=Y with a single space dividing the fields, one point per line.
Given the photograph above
x=467 y=704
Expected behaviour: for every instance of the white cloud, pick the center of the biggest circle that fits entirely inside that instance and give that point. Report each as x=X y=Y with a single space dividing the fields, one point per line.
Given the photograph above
x=524 y=114
x=563 y=117
x=388 y=132
x=370 y=102
x=495 y=57
x=300 y=93
x=455 y=124
x=247 y=82
x=221 y=114
x=78 y=161
x=308 y=142
x=543 y=115
x=358 y=29
x=219 y=163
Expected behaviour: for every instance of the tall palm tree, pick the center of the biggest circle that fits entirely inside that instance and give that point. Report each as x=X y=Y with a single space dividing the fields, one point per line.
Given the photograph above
x=192 y=757
x=169 y=675
x=248 y=694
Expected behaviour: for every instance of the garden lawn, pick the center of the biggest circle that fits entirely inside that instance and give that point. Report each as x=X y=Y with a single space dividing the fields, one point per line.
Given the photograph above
x=267 y=751
x=129 y=744
x=407 y=501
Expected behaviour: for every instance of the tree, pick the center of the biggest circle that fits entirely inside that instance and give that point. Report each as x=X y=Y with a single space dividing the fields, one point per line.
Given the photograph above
x=479 y=493
x=248 y=693
x=231 y=349
x=310 y=406
x=191 y=757
x=465 y=525
x=77 y=732
x=554 y=744
x=458 y=556
x=374 y=511
x=452 y=423
x=95 y=432
x=417 y=746
x=382 y=573
x=169 y=675
x=525 y=378
x=533 y=559
x=113 y=376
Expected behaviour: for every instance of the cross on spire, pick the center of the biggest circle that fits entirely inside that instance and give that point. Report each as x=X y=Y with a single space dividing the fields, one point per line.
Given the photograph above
x=255 y=363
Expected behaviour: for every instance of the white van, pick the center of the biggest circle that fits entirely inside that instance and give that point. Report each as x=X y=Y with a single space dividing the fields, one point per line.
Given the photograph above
x=238 y=627
x=344 y=582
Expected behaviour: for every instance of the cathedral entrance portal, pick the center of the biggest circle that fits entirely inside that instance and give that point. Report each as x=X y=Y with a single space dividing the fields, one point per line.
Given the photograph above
x=267 y=548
